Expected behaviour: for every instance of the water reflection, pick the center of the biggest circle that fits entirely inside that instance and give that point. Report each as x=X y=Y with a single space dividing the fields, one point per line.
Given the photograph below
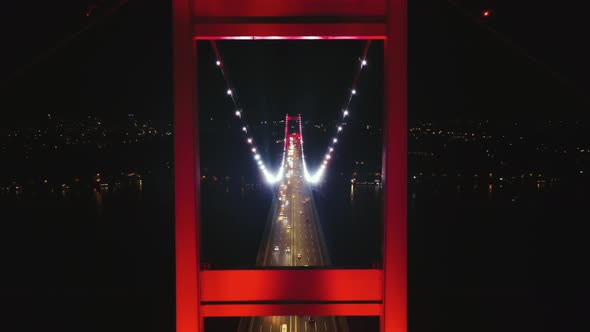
x=99 y=201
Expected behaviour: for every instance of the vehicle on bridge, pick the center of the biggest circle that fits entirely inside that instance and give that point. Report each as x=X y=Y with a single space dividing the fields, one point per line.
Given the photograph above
x=276 y=248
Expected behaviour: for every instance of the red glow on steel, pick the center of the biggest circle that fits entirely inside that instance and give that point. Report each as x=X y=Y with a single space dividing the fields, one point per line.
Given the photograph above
x=324 y=309
x=395 y=172
x=290 y=31
x=288 y=8
x=295 y=285
x=185 y=171
x=378 y=37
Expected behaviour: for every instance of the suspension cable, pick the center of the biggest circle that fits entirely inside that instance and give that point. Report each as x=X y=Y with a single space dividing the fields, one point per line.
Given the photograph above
x=239 y=113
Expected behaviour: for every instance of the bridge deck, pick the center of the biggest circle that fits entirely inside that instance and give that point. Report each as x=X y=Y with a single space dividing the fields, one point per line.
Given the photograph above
x=293 y=238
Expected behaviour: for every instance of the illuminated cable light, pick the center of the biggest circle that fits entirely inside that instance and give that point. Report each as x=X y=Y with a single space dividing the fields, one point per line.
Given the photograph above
x=328 y=156
x=335 y=140
x=353 y=91
x=269 y=177
x=316 y=177
x=345 y=112
x=331 y=149
x=272 y=179
x=339 y=128
x=364 y=62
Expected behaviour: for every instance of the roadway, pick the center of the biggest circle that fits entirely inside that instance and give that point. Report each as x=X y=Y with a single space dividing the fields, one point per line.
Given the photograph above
x=293 y=238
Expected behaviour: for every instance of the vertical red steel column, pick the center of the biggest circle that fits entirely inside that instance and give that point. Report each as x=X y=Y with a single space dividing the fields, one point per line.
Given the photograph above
x=394 y=317
x=186 y=171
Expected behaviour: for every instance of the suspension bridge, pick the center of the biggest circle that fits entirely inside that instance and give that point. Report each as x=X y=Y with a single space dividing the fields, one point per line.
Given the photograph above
x=293 y=236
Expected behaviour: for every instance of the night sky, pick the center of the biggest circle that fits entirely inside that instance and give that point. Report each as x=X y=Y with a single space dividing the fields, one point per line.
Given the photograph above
x=273 y=78
x=533 y=67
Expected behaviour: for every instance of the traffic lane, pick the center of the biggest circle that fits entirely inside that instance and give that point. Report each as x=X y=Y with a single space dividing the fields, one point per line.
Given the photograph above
x=311 y=236
x=307 y=240
x=309 y=213
x=282 y=240
x=270 y=257
x=280 y=236
x=270 y=324
x=274 y=239
x=311 y=254
x=315 y=231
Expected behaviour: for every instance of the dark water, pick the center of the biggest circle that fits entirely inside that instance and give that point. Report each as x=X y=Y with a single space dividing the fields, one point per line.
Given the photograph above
x=499 y=260
x=89 y=261
x=478 y=261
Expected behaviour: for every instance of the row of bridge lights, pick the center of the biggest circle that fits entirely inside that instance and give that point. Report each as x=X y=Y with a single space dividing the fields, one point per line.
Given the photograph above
x=258 y=159
x=328 y=155
x=273 y=179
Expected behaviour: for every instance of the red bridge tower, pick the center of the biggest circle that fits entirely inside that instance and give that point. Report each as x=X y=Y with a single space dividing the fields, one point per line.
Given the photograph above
x=207 y=293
